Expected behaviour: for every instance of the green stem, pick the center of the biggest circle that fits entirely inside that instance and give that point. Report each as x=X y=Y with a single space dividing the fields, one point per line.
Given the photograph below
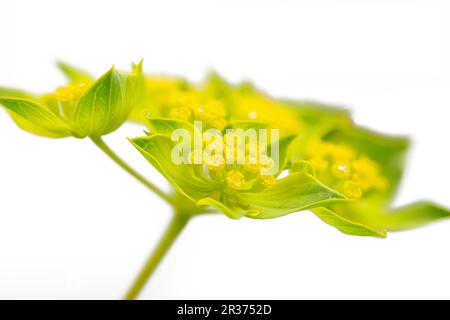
x=107 y=150
x=174 y=229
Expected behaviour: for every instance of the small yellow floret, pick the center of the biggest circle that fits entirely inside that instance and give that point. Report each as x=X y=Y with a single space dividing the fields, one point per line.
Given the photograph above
x=181 y=113
x=202 y=114
x=234 y=148
x=252 y=149
x=322 y=149
x=213 y=111
x=161 y=83
x=352 y=190
x=218 y=123
x=365 y=173
x=186 y=99
x=266 y=161
x=268 y=180
x=215 y=164
x=341 y=170
x=71 y=92
x=252 y=165
x=319 y=164
x=215 y=108
x=340 y=152
x=235 y=179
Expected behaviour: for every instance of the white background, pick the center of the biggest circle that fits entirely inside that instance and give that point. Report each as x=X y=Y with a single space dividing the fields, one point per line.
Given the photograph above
x=73 y=225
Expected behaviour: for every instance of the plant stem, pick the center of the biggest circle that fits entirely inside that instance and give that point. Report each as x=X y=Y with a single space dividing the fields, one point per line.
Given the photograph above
x=107 y=150
x=174 y=229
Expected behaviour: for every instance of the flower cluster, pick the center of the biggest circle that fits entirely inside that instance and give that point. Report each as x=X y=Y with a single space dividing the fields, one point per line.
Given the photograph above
x=242 y=173
x=347 y=175
x=344 y=169
x=215 y=103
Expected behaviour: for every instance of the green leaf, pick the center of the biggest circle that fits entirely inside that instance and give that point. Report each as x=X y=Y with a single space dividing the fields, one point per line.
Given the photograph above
x=102 y=109
x=35 y=118
x=296 y=192
x=412 y=216
x=346 y=226
x=157 y=150
x=74 y=74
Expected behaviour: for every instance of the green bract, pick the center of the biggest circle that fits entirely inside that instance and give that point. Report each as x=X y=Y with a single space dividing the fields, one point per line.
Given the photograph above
x=84 y=108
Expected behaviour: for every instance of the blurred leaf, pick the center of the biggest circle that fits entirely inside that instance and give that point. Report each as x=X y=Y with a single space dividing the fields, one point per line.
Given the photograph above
x=319 y=118
x=135 y=93
x=35 y=118
x=74 y=74
x=377 y=219
x=13 y=93
x=412 y=216
x=346 y=226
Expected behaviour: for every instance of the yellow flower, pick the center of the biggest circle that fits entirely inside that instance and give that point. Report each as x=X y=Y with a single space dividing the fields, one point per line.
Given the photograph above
x=181 y=113
x=215 y=163
x=319 y=164
x=255 y=105
x=361 y=174
x=341 y=170
x=352 y=190
x=218 y=123
x=252 y=165
x=71 y=92
x=235 y=179
x=268 y=180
